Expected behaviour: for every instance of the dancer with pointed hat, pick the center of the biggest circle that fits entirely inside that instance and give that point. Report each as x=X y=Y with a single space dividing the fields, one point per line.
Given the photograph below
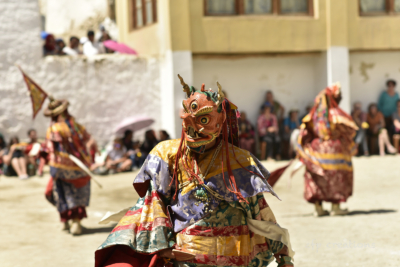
x=69 y=186
x=202 y=200
x=325 y=146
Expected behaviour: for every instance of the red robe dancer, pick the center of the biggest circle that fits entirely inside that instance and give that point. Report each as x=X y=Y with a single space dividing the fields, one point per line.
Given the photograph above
x=69 y=186
x=325 y=146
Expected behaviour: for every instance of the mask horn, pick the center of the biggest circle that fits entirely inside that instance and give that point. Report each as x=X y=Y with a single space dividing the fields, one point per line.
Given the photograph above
x=221 y=95
x=186 y=88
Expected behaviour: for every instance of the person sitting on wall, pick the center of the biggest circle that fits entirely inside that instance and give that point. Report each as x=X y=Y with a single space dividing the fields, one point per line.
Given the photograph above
x=32 y=152
x=387 y=104
x=3 y=147
x=268 y=130
x=14 y=159
x=376 y=123
x=91 y=47
x=73 y=48
x=49 y=47
x=360 y=118
x=246 y=133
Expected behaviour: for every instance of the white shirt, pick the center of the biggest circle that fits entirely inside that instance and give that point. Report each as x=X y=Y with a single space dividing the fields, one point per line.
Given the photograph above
x=90 y=49
x=70 y=51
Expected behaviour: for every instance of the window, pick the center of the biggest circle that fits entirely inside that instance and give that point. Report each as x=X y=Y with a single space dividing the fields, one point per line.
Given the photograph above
x=379 y=7
x=258 y=7
x=144 y=12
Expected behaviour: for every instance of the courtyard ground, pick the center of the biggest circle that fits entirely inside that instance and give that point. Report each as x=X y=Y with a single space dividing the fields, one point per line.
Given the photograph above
x=369 y=236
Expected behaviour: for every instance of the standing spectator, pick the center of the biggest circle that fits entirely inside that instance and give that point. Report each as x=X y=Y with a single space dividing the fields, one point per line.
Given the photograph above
x=387 y=104
x=360 y=118
x=268 y=130
x=291 y=124
x=91 y=47
x=73 y=48
x=164 y=136
x=246 y=133
x=376 y=128
x=276 y=107
x=396 y=124
x=49 y=47
x=14 y=160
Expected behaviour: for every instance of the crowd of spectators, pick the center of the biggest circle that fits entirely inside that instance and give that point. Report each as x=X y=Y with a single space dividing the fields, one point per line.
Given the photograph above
x=87 y=45
x=25 y=159
x=275 y=135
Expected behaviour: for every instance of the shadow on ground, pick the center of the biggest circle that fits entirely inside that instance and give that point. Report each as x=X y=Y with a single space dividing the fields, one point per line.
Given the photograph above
x=368 y=212
x=90 y=231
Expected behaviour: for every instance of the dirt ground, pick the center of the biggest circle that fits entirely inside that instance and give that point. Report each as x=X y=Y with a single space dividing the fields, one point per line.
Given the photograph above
x=30 y=232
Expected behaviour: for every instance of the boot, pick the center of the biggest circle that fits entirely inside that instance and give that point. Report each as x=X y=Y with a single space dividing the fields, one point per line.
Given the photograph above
x=76 y=227
x=319 y=211
x=65 y=226
x=337 y=211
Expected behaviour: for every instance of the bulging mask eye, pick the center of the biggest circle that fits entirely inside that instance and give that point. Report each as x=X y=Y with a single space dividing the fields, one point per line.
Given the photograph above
x=204 y=120
x=194 y=106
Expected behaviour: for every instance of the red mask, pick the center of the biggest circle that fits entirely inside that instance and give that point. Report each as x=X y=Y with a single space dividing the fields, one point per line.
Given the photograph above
x=202 y=122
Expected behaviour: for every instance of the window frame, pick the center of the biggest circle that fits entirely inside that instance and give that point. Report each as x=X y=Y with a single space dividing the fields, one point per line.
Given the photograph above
x=144 y=14
x=276 y=10
x=388 y=12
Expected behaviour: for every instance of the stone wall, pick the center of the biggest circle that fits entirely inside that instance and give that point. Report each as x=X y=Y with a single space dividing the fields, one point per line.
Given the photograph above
x=102 y=90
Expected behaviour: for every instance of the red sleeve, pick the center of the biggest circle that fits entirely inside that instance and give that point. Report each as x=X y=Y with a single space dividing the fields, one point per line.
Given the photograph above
x=124 y=256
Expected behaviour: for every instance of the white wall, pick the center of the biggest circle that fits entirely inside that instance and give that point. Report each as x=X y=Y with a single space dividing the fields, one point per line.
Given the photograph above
x=295 y=80
x=369 y=72
x=74 y=17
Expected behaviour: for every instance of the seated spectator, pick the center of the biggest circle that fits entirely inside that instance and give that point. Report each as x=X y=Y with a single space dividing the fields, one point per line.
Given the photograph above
x=276 y=107
x=73 y=48
x=387 y=104
x=3 y=147
x=291 y=124
x=308 y=109
x=60 y=46
x=360 y=118
x=49 y=47
x=32 y=152
x=117 y=159
x=246 y=133
x=91 y=47
x=150 y=141
x=268 y=130
x=14 y=160
x=164 y=135
x=396 y=124
x=376 y=128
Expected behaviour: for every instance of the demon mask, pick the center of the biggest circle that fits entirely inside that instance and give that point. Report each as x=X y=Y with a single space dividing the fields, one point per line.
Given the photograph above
x=203 y=116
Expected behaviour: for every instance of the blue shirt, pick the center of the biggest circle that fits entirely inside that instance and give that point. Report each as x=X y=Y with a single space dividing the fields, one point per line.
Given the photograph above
x=291 y=124
x=388 y=104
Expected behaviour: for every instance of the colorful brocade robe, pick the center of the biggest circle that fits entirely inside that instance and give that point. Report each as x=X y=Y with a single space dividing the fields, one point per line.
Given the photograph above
x=326 y=146
x=69 y=186
x=221 y=237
